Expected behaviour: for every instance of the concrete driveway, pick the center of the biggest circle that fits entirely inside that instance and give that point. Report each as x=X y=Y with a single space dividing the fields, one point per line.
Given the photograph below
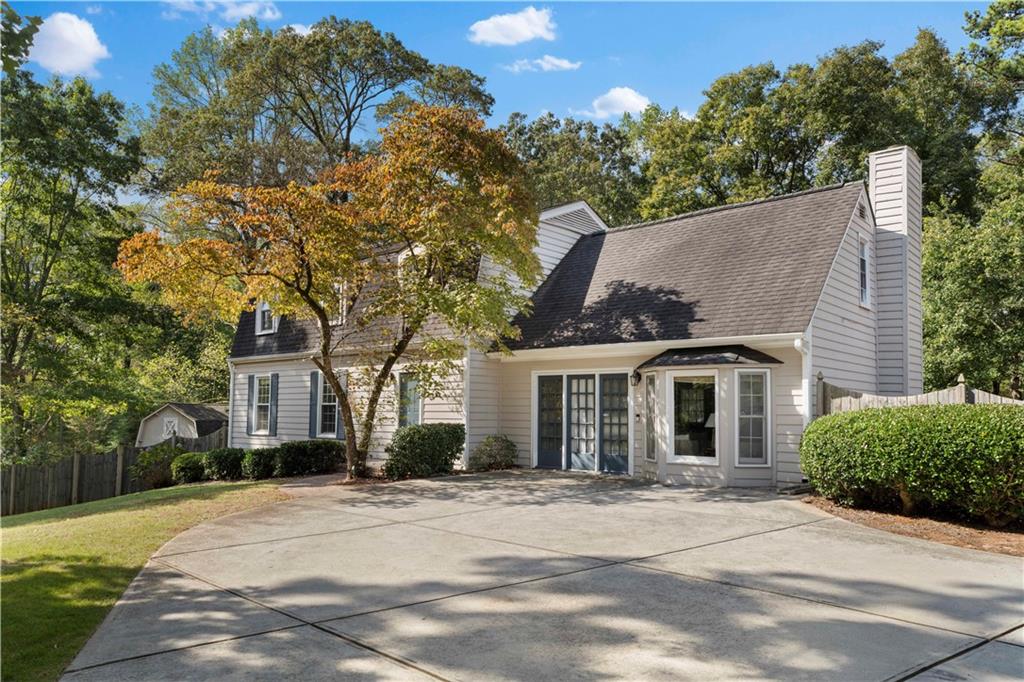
x=534 y=576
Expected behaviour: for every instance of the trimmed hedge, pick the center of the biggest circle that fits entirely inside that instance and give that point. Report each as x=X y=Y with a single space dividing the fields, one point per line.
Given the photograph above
x=224 y=464
x=305 y=457
x=259 y=463
x=960 y=459
x=424 y=450
x=188 y=468
x=493 y=453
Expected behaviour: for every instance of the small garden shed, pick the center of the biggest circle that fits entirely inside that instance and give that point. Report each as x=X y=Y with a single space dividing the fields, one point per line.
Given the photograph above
x=185 y=420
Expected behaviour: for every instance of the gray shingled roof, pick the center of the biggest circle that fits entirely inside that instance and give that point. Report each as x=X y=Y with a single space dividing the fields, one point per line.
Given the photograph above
x=745 y=269
x=208 y=417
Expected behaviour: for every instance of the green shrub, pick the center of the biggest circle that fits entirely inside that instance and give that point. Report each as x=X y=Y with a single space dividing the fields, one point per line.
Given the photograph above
x=493 y=453
x=188 y=468
x=153 y=467
x=305 y=457
x=259 y=463
x=961 y=459
x=224 y=464
x=424 y=450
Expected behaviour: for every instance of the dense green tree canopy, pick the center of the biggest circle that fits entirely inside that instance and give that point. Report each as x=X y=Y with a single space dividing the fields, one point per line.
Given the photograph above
x=266 y=107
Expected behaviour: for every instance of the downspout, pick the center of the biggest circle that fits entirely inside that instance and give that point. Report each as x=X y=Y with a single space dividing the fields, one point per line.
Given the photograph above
x=803 y=344
x=231 y=397
x=465 y=404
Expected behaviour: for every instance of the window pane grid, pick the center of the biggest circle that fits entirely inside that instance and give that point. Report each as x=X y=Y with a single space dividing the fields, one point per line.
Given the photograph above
x=262 y=404
x=752 y=419
x=328 y=408
x=614 y=416
x=582 y=415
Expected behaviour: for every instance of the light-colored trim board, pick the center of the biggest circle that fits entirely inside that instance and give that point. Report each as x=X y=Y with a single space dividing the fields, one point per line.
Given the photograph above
x=769 y=407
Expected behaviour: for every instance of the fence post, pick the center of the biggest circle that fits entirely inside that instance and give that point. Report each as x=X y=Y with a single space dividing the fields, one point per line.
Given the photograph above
x=10 y=508
x=75 y=469
x=120 y=470
x=966 y=392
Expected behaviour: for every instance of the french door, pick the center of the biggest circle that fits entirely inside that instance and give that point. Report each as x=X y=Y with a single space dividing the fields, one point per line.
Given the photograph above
x=586 y=417
x=550 y=415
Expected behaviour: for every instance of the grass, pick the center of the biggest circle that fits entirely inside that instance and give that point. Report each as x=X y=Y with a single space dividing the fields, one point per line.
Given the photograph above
x=64 y=568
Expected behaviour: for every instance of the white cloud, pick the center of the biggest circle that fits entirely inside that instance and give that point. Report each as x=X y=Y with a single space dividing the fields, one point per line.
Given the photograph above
x=545 y=63
x=67 y=45
x=262 y=10
x=616 y=102
x=301 y=29
x=512 y=29
x=93 y=9
x=228 y=10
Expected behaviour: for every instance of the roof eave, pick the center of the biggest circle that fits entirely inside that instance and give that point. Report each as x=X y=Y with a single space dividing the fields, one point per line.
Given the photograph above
x=779 y=340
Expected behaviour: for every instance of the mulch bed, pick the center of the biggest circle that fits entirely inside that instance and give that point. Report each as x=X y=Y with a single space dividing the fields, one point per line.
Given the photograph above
x=950 y=532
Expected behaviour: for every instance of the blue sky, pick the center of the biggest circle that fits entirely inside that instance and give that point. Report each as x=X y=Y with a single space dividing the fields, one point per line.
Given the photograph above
x=588 y=59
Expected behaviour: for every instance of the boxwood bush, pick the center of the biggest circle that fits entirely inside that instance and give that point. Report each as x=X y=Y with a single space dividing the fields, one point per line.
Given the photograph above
x=493 y=453
x=224 y=464
x=960 y=459
x=259 y=463
x=305 y=457
x=188 y=468
x=153 y=467
x=424 y=450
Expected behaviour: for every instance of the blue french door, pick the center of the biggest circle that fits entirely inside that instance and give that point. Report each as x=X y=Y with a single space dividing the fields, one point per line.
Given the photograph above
x=550 y=417
x=582 y=428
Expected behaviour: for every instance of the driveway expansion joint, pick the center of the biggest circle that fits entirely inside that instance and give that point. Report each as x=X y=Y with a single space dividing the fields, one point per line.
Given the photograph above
x=918 y=670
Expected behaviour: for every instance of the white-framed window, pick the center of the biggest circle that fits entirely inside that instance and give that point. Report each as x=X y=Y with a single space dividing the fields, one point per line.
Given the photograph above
x=692 y=400
x=650 y=415
x=410 y=404
x=261 y=406
x=327 y=410
x=864 y=264
x=266 y=323
x=753 y=418
x=170 y=427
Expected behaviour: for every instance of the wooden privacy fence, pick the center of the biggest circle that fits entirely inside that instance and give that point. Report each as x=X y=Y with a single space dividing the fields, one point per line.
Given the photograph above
x=83 y=478
x=832 y=398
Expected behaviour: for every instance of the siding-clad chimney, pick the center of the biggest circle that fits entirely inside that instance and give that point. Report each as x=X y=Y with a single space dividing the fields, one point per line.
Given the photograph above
x=895 y=189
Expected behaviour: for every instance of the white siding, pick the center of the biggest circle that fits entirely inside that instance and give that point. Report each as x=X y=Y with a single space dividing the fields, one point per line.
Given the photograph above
x=482 y=387
x=895 y=176
x=293 y=405
x=516 y=406
x=843 y=332
x=787 y=413
x=557 y=232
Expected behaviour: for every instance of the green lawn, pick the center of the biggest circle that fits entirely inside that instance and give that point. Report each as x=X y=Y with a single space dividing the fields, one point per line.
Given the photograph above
x=64 y=568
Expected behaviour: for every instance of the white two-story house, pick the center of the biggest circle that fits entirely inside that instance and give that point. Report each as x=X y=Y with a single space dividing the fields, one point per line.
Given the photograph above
x=682 y=349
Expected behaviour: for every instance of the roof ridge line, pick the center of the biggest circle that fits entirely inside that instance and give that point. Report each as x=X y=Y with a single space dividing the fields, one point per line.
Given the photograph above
x=725 y=207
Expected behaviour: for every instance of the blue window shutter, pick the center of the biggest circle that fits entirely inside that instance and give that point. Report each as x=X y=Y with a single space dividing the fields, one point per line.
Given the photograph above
x=339 y=426
x=250 y=409
x=273 y=404
x=314 y=401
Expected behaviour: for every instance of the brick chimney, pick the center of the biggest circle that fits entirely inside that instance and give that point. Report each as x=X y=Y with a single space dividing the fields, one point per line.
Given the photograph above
x=894 y=186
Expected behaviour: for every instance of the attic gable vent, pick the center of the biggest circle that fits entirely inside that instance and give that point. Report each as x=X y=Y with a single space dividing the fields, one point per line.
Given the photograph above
x=862 y=212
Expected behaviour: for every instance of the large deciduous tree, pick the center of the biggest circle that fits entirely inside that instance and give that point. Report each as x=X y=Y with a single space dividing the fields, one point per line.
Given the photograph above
x=570 y=160
x=267 y=108
x=383 y=252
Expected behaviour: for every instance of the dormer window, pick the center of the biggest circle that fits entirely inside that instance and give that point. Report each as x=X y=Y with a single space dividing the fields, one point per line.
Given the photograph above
x=265 y=322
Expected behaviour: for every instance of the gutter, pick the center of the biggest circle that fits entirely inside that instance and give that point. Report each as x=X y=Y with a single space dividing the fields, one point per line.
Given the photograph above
x=638 y=347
